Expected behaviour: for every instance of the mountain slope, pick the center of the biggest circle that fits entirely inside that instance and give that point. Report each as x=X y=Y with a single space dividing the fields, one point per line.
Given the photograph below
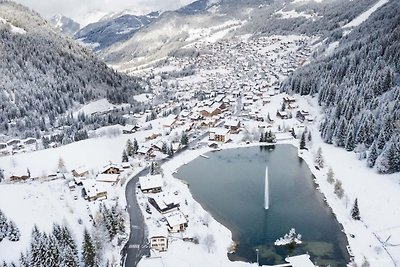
x=358 y=85
x=44 y=74
x=65 y=24
x=114 y=29
x=202 y=19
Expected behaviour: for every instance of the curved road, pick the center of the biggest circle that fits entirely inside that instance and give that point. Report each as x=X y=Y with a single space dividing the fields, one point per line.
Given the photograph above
x=137 y=245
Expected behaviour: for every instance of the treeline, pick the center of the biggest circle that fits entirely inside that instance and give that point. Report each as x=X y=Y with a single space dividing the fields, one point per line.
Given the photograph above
x=330 y=16
x=45 y=74
x=358 y=87
x=8 y=229
x=58 y=248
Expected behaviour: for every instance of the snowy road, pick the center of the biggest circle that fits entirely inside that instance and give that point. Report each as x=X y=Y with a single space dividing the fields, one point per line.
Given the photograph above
x=137 y=246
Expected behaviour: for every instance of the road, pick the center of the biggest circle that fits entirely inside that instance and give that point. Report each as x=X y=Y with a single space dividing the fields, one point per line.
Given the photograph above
x=137 y=245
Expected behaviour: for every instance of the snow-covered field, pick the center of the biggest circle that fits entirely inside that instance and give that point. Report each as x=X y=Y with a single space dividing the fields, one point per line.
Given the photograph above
x=377 y=195
x=364 y=16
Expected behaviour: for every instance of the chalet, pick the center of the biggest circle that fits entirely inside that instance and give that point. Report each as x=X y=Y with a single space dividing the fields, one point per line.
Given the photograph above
x=151 y=183
x=29 y=141
x=282 y=114
x=80 y=172
x=71 y=186
x=130 y=129
x=145 y=151
x=111 y=169
x=152 y=136
x=195 y=117
x=309 y=118
x=158 y=239
x=232 y=125
x=266 y=100
x=208 y=123
x=301 y=115
x=18 y=177
x=289 y=99
x=93 y=191
x=164 y=204
x=219 y=135
x=158 y=146
x=176 y=221
x=126 y=165
x=170 y=121
x=112 y=179
x=213 y=110
x=184 y=113
x=13 y=142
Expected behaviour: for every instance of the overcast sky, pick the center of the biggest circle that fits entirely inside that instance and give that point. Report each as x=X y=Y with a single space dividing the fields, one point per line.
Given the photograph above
x=85 y=11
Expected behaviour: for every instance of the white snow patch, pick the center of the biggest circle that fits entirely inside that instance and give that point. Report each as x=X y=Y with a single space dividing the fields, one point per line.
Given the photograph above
x=14 y=29
x=364 y=16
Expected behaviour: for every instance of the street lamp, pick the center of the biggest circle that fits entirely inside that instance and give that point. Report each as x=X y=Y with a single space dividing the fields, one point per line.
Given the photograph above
x=257 y=257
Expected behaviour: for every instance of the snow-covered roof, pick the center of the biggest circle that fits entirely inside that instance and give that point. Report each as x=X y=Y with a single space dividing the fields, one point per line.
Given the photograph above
x=158 y=231
x=300 y=261
x=92 y=188
x=219 y=131
x=170 y=120
x=143 y=150
x=105 y=168
x=232 y=123
x=108 y=178
x=175 y=218
x=150 y=181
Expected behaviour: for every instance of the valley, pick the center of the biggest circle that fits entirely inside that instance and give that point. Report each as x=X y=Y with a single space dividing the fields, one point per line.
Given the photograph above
x=106 y=162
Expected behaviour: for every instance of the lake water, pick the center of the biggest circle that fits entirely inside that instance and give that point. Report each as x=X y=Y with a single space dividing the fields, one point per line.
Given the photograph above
x=230 y=185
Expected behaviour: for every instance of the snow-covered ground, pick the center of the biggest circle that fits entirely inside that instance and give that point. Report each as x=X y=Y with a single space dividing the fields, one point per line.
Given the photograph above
x=98 y=106
x=377 y=194
x=13 y=28
x=364 y=16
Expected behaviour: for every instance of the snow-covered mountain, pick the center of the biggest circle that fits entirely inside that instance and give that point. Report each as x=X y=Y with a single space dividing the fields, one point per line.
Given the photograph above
x=358 y=84
x=114 y=28
x=65 y=24
x=44 y=73
x=211 y=20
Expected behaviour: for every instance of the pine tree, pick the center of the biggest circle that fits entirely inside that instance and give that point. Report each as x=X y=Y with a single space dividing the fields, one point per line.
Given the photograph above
x=61 y=166
x=372 y=155
x=309 y=137
x=184 y=139
x=129 y=148
x=355 y=212
x=88 y=250
x=124 y=156
x=303 y=141
x=23 y=260
x=1 y=175
x=262 y=138
x=152 y=168
x=393 y=156
x=338 y=189
x=330 y=176
x=135 y=146
x=164 y=148
x=319 y=159
x=350 y=138
x=3 y=226
x=13 y=232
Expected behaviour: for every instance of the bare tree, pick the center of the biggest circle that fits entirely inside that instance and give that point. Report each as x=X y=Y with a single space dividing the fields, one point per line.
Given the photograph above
x=209 y=241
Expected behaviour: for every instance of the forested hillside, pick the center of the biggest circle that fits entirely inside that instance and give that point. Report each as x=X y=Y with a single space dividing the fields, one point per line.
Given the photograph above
x=44 y=74
x=358 y=87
